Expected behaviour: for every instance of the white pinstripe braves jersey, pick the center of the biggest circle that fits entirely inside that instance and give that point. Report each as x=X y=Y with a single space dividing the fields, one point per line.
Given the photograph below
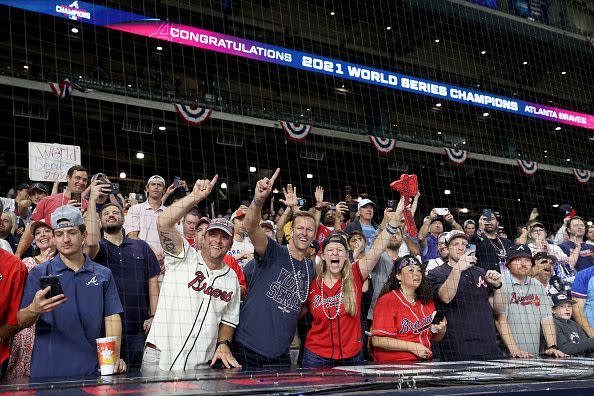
x=193 y=301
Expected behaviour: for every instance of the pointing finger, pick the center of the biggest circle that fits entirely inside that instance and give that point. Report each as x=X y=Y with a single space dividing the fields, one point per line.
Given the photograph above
x=213 y=181
x=273 y=178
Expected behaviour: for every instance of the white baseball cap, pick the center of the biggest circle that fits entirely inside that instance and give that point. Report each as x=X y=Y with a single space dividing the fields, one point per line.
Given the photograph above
x=365 y=201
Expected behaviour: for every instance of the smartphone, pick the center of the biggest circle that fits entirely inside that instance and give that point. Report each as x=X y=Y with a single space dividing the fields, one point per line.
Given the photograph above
x=176 y=180
x=442 y=211
x=76 y=196
x=114 y=188
x=471 y=247
x=301 y=202
x=347 y=190
x=52 y=281
x=353 y=207
x=487 y=214
x=333 y=207
x=392 y=203
x=132 y=196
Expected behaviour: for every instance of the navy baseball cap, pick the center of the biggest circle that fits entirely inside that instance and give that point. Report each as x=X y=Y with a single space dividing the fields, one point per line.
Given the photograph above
x=519 y=251
x=221 y=223
x=21 y=186
x=39 y=187
x=561 y=298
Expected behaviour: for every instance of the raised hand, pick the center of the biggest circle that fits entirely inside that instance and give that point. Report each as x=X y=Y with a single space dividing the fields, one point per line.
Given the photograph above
x=203 y=188
x=466 y=261
x=290 y=194
x=319 y=194
x=264 y=188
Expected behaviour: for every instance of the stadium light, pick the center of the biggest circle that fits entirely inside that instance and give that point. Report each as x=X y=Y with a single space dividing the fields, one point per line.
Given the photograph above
x=162 y=128
x=437 y=40
x=224 y=185
x=26 y=67
x=558 y=128
x=122 y=175
x=555 y=205
x=140 y=155
x=389 y=28
x=447 y=192
x=485 y=114
x=437 y=104
x=309 y=176
x=483 y=52
x=74 y=30
x=564 y=72
x=252 y=169
x=332 y=13
x=159 y=48
x=464 y=210
x=525 y=62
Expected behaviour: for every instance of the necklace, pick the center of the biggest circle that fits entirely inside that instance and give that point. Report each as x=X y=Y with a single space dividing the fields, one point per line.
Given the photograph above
x=407 y=299
x=302 y=300
x=340 y=295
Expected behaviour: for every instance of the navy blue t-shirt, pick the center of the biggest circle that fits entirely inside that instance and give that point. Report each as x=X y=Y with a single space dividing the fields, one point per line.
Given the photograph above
x=65 y=338
x=268 y=318
x=586 y=259
x=471 y=333
x=132 y=264
x=488 y=251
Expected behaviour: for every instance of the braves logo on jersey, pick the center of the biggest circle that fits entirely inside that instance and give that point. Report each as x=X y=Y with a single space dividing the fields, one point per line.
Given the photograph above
x=528 y=299
x=199 y=284
x=416 y=327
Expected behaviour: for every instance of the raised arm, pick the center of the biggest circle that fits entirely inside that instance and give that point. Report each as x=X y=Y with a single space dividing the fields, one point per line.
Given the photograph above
x=171 y=239
x=392 y=222
x=254 y=214
x=96 y=191
x=317 y=210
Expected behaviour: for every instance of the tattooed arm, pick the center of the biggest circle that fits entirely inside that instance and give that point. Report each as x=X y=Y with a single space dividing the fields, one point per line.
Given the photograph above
x=171 y=239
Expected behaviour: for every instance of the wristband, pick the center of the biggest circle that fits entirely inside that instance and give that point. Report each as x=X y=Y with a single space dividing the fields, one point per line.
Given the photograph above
x=390 y=229
x=226 y=342
x=553 y=347
x=498 y=287
x=256 y=203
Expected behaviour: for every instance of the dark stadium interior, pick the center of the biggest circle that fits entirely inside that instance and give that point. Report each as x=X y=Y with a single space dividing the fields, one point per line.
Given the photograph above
x=131 y=66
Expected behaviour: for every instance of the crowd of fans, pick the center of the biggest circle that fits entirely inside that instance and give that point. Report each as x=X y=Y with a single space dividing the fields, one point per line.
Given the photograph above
x=181 y=289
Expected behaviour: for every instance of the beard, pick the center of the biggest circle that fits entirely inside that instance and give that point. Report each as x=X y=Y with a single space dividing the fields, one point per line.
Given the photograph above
x=394 y=246
x=113 y=229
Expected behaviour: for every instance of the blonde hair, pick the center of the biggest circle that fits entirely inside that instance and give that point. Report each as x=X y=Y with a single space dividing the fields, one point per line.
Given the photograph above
x=349 y=299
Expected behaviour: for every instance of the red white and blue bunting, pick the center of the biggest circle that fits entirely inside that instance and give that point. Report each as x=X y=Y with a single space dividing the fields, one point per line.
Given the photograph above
x=295 y=131
x=191 y=114
x=456 y=156
x=64 y=89
x=582 y=175
x=528 y=168
x=383 y=145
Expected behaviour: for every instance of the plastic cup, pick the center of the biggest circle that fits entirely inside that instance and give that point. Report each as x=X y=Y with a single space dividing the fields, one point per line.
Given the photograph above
x=106 y=348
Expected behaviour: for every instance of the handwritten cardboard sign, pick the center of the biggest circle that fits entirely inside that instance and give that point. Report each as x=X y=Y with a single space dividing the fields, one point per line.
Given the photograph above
x=51 y=161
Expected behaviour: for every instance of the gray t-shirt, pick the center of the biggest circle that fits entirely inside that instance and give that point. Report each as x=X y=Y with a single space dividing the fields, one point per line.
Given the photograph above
x=268 y=318
x=526 y=305
x=379 y=275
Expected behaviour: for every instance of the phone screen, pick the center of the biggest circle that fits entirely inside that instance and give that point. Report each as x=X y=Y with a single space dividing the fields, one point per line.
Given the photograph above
x=471 y=247
x=76 y=196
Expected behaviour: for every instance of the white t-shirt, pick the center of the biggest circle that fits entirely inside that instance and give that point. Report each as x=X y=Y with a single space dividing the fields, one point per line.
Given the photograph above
x=193 y=301
x=239 y=247
x=6 y=246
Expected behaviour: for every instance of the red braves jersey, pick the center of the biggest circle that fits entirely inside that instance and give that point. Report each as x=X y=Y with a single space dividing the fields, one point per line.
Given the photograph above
x=338 y=338
x=12 y=281
x=395 y=317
